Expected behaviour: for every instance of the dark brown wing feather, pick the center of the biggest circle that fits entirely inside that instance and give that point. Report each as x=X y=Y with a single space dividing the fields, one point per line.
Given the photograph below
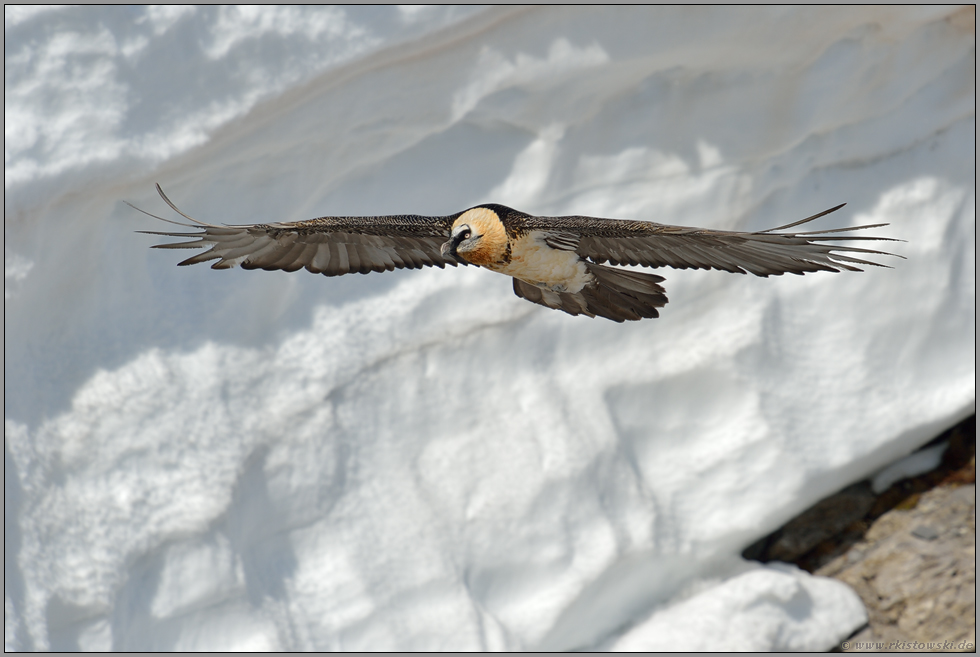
x=763 y=253
x=329 y=245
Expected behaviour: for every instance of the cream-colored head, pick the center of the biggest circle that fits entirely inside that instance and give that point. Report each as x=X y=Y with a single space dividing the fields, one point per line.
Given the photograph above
x=478 y=236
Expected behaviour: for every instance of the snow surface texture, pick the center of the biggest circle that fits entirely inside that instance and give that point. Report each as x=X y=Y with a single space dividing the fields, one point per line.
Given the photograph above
x=420 y=460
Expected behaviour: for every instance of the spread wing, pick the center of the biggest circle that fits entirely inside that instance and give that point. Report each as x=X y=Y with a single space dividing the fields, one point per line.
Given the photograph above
x=329 y=245
x=763 y=253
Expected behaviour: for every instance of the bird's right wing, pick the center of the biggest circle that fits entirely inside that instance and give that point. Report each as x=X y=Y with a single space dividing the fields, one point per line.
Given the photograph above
x=332 y=246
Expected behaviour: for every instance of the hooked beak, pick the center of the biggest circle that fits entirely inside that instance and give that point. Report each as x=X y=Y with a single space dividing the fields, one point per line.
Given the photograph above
x=448 y=248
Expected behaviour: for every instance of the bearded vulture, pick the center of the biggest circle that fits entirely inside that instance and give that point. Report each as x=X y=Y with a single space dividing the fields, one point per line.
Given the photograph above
x=558 y=262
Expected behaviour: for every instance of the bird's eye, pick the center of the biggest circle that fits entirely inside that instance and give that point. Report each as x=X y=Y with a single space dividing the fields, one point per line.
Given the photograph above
x=466 y=234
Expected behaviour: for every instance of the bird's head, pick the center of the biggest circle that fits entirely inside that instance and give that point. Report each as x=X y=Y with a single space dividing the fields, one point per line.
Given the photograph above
x=478 y=237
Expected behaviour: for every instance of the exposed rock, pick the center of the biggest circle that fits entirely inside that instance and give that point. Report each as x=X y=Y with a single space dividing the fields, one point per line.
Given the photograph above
x=915 y=570
x=826 y=519
x=909 y=553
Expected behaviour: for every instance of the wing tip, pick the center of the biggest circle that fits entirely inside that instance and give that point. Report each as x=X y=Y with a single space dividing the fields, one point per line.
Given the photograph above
x=807 y=220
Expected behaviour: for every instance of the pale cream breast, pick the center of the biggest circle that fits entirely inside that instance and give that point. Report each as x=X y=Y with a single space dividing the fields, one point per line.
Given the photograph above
x=529 y=258
x=533 y=261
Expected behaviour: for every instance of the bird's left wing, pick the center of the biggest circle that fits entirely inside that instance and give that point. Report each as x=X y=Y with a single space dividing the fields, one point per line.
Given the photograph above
x=332 y=246
x=762 y=253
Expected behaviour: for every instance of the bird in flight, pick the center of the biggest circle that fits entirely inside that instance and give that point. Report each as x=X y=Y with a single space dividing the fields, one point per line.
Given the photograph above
x=566 y=263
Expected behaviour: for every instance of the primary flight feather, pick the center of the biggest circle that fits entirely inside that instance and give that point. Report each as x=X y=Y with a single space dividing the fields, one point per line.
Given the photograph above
x=558 y=262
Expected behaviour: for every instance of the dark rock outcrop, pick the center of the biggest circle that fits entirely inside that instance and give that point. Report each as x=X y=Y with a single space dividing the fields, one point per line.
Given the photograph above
x=909 y=552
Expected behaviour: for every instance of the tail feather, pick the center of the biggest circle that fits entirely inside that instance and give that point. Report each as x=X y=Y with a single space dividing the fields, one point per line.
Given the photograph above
x=616 y=294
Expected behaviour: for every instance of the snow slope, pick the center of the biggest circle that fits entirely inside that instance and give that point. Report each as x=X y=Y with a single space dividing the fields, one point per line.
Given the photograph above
x=419 y=460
